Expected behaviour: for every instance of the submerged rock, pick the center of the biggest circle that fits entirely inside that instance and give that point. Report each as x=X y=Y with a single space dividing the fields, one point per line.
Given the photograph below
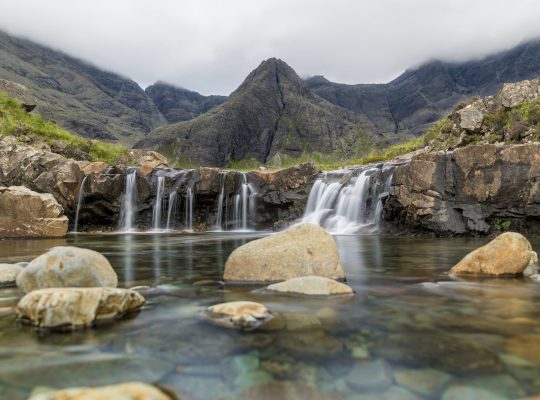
x=424 y=381
x=8 y=273
x=459 y=392
x=302 y=250
x=508 y=254
x=311 y=285
x=525 y=346
x=369 y=375
x=124 y=391
x=67 y=267
x=76 y=307
x=25 y=213
x=286 y=391
x=243 y=315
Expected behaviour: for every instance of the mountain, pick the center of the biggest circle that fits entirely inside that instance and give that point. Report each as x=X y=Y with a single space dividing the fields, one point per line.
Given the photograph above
x=272 y=112
x=79 y=96
x=417 y=98
x=179 y=104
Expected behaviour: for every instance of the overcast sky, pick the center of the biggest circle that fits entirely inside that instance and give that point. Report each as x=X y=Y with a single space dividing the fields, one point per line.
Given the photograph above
x=211 y=45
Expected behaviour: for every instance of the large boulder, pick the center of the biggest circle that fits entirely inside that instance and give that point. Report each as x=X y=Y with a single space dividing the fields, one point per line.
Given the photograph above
x=67 y=267
x=302 y=250
x=25 y=213
x=124 y=391
x=76 y=307
x=311 y=285
x=506 y=255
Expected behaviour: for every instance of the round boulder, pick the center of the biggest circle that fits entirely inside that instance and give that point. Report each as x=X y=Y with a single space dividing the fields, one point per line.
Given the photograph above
x=302 y=250
x=125 y=391
x=243 y=315
x=508 y=254
x=67 y=267
x=311 y=285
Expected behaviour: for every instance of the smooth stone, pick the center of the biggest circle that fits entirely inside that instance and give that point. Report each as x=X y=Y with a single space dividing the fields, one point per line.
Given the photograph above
x=277 y=323
x=301 y=250
x=508 y=254
x=252 y=378
x=301 y=322
x=124 y=391
x=525 y=346
x=459 y=392
x=283 y=390
x=76 y=307
x=8 y=273
x=369 y=375
x=393 y=393
x=310 y=344
x=311 y=285
x=244 y=363
x=67 y=266
x=426 y=381
x=502 y=384
x=243 y=315
x=200 y=387
x=328 y=315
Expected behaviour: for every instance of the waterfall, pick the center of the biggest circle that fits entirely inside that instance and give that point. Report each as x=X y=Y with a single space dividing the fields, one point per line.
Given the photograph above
x=349 y=201
x=245 y=194
x=156 y=214
x=129 y=201
x=80 y=200
x=219 y=217
x=188 y=219
x=171 y=212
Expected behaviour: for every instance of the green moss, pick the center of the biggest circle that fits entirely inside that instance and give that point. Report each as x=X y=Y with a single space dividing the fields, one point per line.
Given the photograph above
x=28 y=128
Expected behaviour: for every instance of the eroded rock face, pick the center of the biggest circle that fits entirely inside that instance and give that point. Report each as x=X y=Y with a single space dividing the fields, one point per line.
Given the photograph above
x=25 y=213
x=302 y=250
x=476 y=189
x=124 y=391
x=507 y=255
x=311 y=285
x=67 y=267
x=243 y=315
x=76 y=307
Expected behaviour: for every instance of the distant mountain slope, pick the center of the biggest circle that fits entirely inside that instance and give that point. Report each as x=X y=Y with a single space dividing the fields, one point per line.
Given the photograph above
x=421 y=96
x=179 y=104
x=272 y=112
x=80 y=97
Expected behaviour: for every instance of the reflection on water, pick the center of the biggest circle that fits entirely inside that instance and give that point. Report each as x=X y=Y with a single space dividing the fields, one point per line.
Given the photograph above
x=410 y=332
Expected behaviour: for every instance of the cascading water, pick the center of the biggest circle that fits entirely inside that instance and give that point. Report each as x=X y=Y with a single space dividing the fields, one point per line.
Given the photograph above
x=129 y=202
x=156 y=214
x=171 y=211
x=236 y=212
x=349 y=201
x=188 y=219
x=219 y=217
x=80 y=200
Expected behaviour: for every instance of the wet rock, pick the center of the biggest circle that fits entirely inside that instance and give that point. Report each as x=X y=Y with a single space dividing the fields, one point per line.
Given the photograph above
x=392 y=393
x=301 y=322
x=8 y=273
x=369 y=375
x=525 y=346
x=302 y=250
x=277 y=323
x=285 y=391
x=501 y=384
x=506 y=255
x=76 y=307
x=200 y=387
x=67 y=267
x=438 y=351
x=425 y=381
x=310 y=344
x=25 y=213
x=124 y=391
x=243 y=315
x=470 y=393
x=311 y=285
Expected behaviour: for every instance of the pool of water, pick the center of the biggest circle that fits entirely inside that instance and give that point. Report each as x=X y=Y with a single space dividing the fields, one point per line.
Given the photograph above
x=410 y=332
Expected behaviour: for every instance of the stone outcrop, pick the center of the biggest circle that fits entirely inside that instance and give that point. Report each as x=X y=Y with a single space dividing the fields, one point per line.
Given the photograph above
x=311 y=285
x=507 y=255
x=76 y=307
x=124 y=391
x=25 y=213
x=67 y=267
x=243 y=315
x=302 y=250
x=20 y=92
x=476 y=189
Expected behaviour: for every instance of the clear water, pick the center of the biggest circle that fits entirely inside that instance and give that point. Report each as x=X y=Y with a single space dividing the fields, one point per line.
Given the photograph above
x=406 y=317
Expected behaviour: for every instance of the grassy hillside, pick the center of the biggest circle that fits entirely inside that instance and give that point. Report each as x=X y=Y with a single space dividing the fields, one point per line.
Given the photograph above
x=33 y=129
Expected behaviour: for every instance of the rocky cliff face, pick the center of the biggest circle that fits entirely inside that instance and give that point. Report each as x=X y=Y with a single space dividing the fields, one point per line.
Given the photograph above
x=271 y=113
x=178 y=104
x=472 y=190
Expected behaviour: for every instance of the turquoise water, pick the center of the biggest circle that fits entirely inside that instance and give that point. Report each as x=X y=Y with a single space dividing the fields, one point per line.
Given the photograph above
x=410 y=331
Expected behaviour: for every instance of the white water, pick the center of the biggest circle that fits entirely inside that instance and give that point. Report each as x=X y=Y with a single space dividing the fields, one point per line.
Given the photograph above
x=171 y=212
x=129 y=202
x=219 y=217
x=240 y=209
x=156 y=214
x=348 y=201
x=80 y=200
x=188 y=218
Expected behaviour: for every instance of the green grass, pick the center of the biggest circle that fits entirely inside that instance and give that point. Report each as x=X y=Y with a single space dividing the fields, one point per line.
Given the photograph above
x=30 y=128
